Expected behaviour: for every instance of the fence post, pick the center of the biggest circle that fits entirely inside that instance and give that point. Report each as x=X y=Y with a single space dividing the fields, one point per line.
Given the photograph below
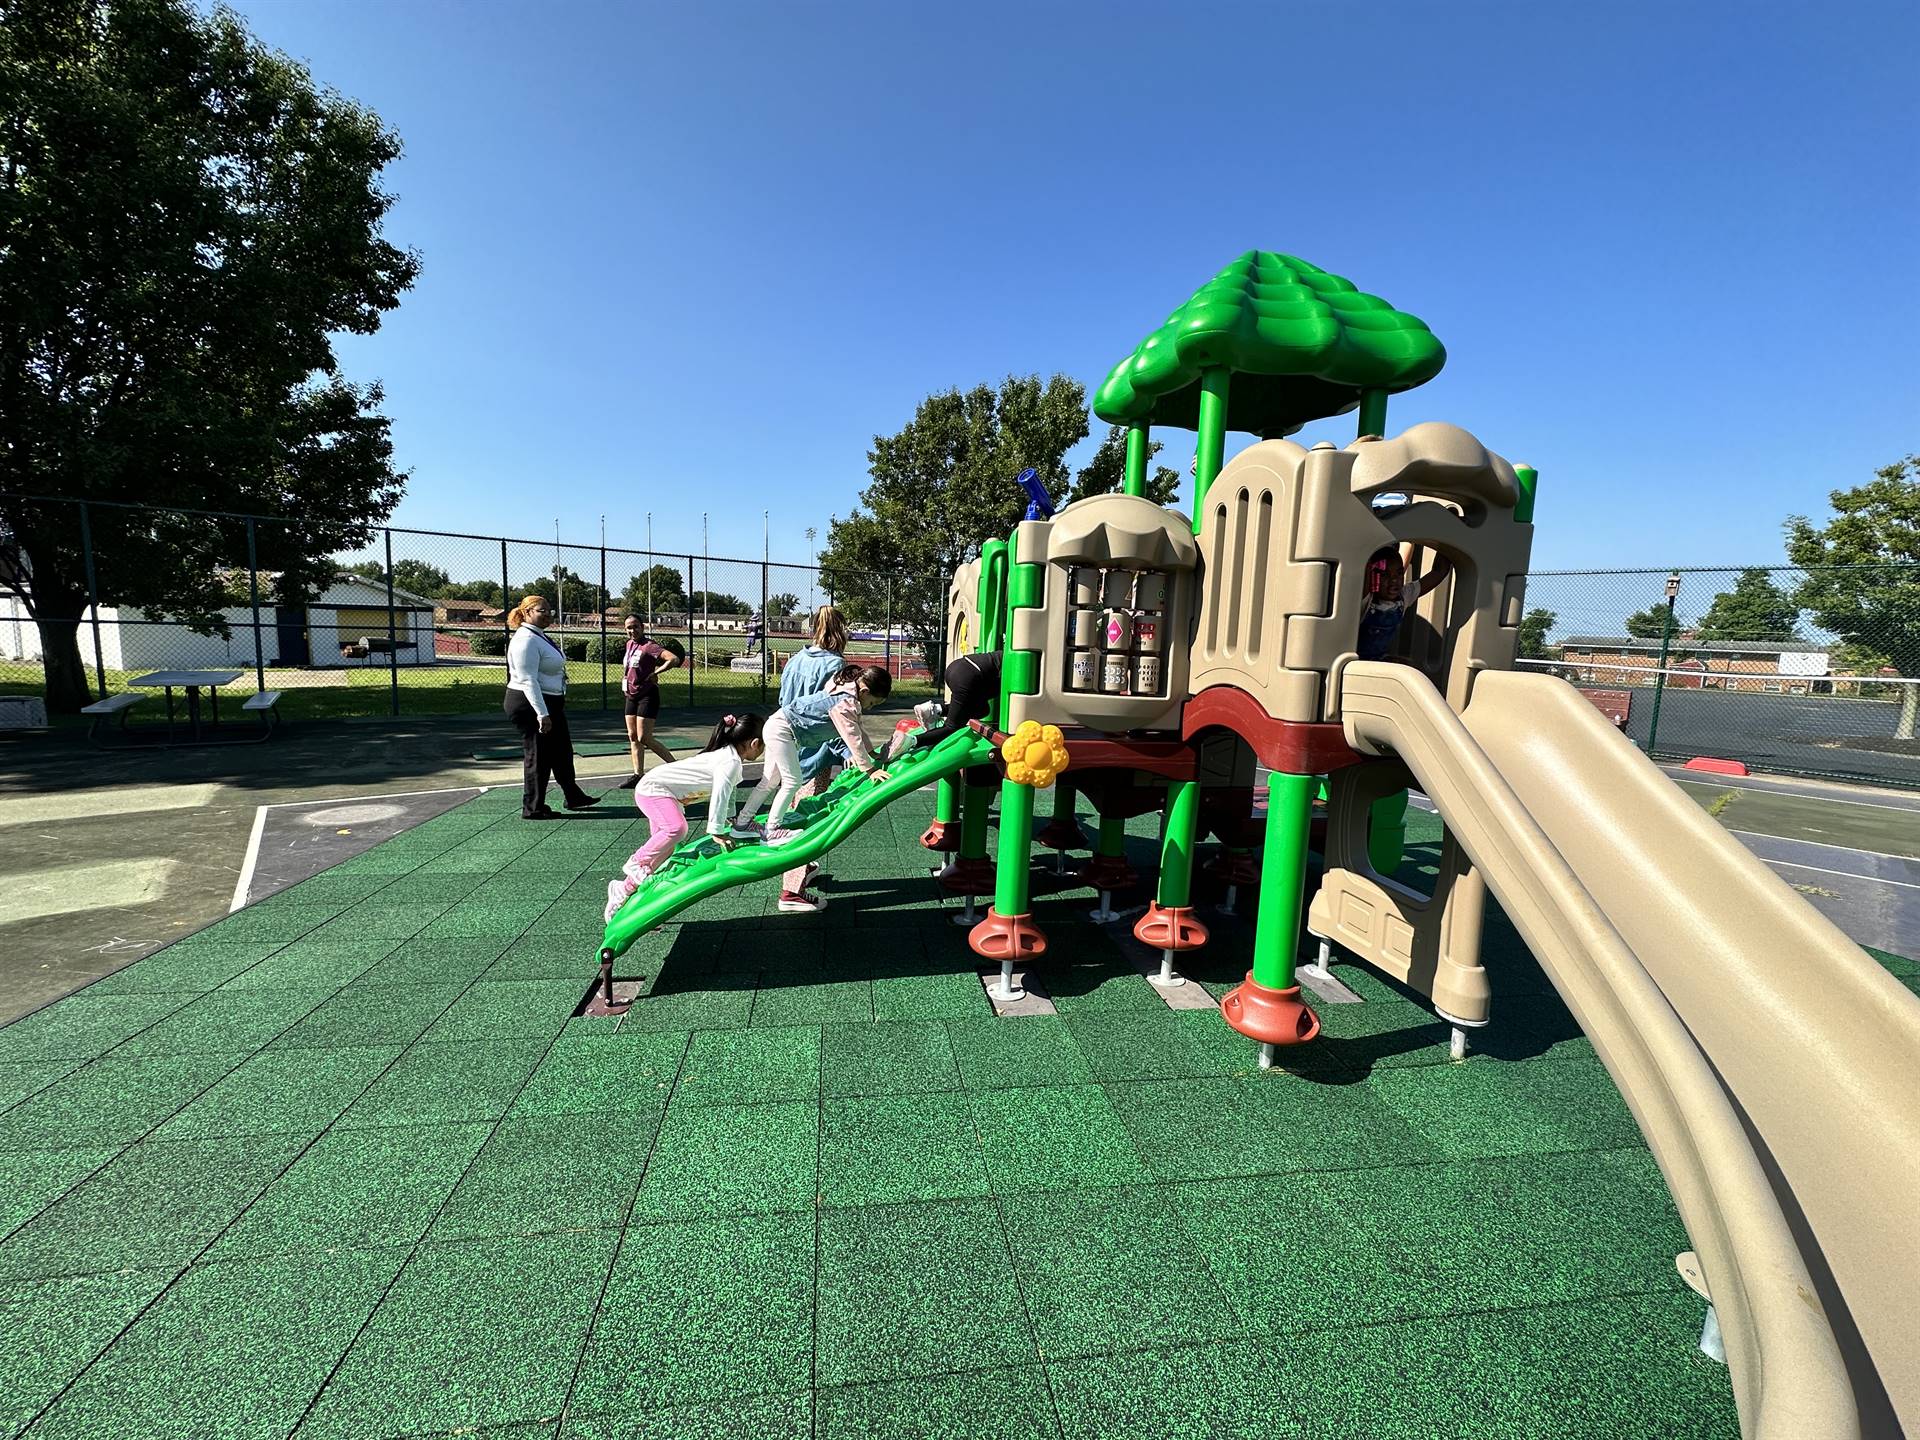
x=506 y=594
x=766 y=634
x=393 y=634
x=690 y=630
x=889 y=640
x=93 y=602
x=253 y=587
x=1660 y=677
x=603 y=619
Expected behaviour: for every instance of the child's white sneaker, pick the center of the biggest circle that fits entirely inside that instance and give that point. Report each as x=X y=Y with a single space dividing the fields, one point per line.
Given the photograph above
x=636 y=873
x=617 y=893
x=747 y=830
x=800 y=902
x=927 y=712
x=780 y=835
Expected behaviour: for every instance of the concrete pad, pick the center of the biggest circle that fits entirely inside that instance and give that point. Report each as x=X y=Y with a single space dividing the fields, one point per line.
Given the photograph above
x=77 y=889
x=298 y=840
x=53 y=806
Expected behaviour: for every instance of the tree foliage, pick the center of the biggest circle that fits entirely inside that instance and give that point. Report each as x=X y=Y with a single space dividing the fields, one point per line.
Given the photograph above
x=1650 y=623
x=1754 y=609
x=785 y=603
x=1106 y=472
x=940 y=486
x=416 y=577
x=1534 y=628
x=186 y=220
x=718 y=602
x=566 y=591
x=1863 y=572
x=668 y=596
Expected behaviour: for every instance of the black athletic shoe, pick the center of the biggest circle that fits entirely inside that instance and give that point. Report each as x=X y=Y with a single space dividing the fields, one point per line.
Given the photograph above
x=628 y=783
x=545 y=812
x=583 y=801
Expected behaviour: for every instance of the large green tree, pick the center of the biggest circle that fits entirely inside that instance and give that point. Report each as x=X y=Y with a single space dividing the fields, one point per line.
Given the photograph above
x=186 y=222
x=1754 y=609
x=1650 y=623
x=1534 y=628
x=416 y=577
x=1106 y=472
x=667 y=595
x=939 y=487
x=785 y=603
x=569 y=593
x=1863 y=572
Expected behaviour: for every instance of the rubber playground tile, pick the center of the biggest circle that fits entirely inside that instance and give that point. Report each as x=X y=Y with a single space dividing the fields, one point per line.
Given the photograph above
x=893 y=1057
x=231 y=1350
x=156 y=1204
x=1107 y=986
x=703 y=1312
x=376 y=919
x=1053 y=1139
x=370 y=1015
x=712 y=1160
x=890 y=1149
x=1531 y=1026
x=1627 y=1366
x=279 y=923
x=507 y=917
x=185 y=967
x=440 y=1084
x=1019 y=1052
x=433 y=962
x=83 y=1026
x=110 y=1102
x=329 y=886
x=981 y=1405
x=725 y=1008
x=31 y=1180
x=356 y=1188
x=570 y=1172
x=281 y=1092
x=508 y=1010
x=429 y=890
x=227 y=1021
x=1228 y=1390
x=1496 y=1107
x=1898 y=966
x=50 y=1330
x=472 y=1334
x=1162 y=1044
x=765 y=1417
x=633 y=1075
x=908 y=1290
x=1111 y=1270
x=746 y=1067
x=21 y=1078
x=780 y=1001
x=542 y=955
x=313 y=962
x=949 y=995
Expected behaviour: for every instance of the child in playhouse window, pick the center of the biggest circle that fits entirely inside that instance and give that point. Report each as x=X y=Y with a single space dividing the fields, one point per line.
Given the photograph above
x=1389 y=596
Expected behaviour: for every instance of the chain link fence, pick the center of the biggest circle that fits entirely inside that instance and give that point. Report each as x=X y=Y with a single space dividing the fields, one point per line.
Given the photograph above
x=403 y=622
x=1805 y=672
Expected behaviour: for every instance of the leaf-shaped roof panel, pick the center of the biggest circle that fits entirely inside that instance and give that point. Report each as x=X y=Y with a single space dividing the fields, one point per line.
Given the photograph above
x=1302 y=343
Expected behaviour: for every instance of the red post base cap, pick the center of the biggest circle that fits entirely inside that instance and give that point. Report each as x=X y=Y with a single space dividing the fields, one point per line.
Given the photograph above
x=1007 y=937
x=1273 y=1017
x=1172 y=927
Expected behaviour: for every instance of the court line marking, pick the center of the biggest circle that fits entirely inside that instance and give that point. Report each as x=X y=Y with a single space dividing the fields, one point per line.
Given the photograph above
x=1839 y=874
x=245 y=882
x=1828 y=845
x=389 y=795
x=1683 y=776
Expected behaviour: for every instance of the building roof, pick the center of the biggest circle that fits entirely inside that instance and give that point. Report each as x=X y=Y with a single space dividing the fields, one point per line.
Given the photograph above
x=1685 y=642
x=462 y=607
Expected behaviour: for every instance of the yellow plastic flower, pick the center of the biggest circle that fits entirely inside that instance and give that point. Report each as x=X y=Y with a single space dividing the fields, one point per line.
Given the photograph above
x=1035 y=754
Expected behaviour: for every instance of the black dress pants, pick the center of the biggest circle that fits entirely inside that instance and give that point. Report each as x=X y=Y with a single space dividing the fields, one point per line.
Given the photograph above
x=542 y=755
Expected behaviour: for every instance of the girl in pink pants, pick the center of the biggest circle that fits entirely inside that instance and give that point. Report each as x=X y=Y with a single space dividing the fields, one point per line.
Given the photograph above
x=663 y=793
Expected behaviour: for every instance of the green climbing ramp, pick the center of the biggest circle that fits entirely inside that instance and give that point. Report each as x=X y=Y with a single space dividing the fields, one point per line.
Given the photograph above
x=700 y=867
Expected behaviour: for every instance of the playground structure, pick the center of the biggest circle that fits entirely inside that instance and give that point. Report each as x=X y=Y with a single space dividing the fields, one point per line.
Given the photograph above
x=1770 y=1064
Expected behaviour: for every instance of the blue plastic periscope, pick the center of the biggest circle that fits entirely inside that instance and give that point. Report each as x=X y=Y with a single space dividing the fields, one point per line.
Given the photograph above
x=1039 y=503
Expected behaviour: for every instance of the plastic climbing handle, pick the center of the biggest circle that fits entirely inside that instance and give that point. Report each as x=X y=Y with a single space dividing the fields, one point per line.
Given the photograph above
x=695 y=872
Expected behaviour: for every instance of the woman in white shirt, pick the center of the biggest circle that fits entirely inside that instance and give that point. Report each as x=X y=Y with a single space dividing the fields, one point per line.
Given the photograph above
x=536 y=703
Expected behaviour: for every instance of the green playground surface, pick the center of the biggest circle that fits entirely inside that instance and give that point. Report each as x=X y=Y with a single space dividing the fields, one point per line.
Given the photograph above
x=344 y=1165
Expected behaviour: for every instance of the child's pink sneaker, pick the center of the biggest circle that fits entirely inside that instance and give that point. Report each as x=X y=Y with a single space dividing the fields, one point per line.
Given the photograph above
x=617 y=893
x=800 y=902
x=636 y=873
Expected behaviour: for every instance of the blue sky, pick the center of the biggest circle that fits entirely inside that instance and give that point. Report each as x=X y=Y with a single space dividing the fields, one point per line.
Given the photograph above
x=692 y=258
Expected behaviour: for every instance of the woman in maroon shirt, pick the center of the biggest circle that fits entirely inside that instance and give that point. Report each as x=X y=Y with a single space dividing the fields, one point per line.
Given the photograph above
x=640 y=675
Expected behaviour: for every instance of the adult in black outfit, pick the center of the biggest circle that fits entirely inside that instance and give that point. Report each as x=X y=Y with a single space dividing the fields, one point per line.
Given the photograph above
x=536 y=703
x=973 y=684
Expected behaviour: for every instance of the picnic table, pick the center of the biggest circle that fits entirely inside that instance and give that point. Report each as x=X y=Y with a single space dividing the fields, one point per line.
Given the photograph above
x=193 y=682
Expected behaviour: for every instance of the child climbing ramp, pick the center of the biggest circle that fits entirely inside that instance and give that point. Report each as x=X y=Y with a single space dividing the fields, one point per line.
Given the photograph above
x=664 y=791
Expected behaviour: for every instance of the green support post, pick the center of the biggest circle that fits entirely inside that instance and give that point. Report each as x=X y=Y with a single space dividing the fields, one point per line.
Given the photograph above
x=973 y=822
x=1113 y=836
x=1283 y=879
x=1387 y=833
x=1136 y=481
x=1012 y=890
x=1529 y=481
x=1176 y=850
x=1211 y=444
x=1373 y=412
x=946 y=800
x=1660 y=665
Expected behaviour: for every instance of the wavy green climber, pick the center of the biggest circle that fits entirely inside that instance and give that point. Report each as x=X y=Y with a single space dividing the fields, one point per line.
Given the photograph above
x=1301 y=342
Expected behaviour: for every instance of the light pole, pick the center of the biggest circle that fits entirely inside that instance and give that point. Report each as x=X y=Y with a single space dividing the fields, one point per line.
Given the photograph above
x=649 y=572
x=1660 y=675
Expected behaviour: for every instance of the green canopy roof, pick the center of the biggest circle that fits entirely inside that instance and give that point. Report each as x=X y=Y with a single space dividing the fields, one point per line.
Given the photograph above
x=1301 y=342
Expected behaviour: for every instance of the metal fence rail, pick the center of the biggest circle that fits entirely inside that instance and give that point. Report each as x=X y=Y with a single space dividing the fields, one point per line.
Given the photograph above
x=1781 y=668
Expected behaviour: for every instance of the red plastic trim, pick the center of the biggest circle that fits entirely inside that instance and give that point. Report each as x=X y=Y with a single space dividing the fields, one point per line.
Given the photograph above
x=1715 y=767
x=1296 y=747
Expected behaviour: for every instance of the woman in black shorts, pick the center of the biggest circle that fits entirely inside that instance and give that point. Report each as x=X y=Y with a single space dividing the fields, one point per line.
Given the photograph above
x=973 y=684
x=646 y=660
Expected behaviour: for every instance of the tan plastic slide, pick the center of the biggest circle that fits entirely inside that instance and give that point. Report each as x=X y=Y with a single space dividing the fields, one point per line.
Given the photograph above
x=1772 y=1065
